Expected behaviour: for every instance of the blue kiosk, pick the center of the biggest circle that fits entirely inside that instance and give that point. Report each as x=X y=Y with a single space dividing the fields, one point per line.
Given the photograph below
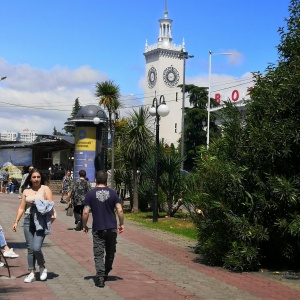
x=91 y=140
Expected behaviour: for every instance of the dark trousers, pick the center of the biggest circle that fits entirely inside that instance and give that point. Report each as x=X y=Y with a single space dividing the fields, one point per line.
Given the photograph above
x=104 y=240
x=78 y=209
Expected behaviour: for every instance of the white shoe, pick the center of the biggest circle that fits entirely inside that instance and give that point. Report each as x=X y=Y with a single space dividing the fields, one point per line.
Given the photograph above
x=10 y=253
x=1 y=264
x=43 y=274
x=30 y=278
x=11 y=192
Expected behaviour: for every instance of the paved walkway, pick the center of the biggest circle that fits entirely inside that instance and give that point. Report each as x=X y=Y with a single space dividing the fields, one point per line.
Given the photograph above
x=149 y=264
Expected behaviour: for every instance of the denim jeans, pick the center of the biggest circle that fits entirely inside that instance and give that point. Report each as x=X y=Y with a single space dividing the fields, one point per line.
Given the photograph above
x=2 y=238
x=34 y=240
x=11 y=188
x=104 y=240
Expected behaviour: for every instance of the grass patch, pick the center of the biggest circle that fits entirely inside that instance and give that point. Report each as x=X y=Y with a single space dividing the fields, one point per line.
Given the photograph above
x=181 y=224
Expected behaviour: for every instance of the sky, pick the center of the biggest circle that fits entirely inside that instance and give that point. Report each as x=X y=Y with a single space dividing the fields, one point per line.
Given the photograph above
x=53 y=51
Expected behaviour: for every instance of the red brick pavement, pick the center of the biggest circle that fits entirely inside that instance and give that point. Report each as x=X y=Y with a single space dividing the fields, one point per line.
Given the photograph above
x=130 y=279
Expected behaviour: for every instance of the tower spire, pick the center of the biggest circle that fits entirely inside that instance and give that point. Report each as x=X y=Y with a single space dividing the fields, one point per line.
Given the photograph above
x=165 y=24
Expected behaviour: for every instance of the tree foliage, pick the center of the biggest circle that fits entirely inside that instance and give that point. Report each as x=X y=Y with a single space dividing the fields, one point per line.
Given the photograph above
x=248 y=183
x=195 y=120
x=170 y=181
x=138 y=145
x=69 y=126
x=109 y=94
x=55 y=132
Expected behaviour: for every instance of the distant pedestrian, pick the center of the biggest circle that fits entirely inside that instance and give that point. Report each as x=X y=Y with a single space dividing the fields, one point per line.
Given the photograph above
x=79 y=190
x=102 y=202
x=10 y=186
x=5 y=176
x=22 y=188
x=66 y=187
x=36 y=225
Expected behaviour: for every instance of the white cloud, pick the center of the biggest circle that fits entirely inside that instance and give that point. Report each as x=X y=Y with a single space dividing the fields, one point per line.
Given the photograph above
x=39 y=100
x=225 y=85
x=43 y=99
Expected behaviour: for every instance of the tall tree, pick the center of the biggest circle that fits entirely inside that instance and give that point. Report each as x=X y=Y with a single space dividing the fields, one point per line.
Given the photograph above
x=55 y=132
x=69 y=126
x=109 y=94
x=195 y=121
x=248 y=184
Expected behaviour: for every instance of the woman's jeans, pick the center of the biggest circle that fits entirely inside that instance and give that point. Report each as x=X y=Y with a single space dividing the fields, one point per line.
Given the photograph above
x=104 y=240
x=34 y=240
x=2 y=238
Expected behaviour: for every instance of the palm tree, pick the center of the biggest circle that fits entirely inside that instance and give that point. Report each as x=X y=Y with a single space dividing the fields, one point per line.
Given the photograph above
x=171 y=180
x=109 y=94
x=139 y=139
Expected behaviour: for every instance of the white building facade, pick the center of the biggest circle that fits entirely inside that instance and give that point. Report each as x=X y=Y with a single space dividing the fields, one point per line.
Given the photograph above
x=164 y=72
x=26 y=136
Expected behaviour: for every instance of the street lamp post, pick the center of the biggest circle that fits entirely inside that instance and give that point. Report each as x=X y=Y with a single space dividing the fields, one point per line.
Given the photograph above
x=183 y=55
x=209 y=91
x=158 y=109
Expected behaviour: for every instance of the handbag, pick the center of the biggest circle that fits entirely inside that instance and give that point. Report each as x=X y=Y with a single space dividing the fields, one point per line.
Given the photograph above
x=70 y=210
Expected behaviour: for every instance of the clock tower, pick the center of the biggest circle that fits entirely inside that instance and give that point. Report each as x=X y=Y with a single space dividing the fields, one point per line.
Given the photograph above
x=164 y=72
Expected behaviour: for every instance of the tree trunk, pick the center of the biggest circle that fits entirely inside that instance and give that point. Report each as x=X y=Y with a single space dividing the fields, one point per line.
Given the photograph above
x=135 y=206
x=170 y=205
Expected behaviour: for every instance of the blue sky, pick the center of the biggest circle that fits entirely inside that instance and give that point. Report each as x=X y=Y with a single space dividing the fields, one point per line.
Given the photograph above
x=55 y=51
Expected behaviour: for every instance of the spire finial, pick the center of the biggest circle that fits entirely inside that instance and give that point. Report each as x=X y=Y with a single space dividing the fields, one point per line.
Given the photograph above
x=166 y=10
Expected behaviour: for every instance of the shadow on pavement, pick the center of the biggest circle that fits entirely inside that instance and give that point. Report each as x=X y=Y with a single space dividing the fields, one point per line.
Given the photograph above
x=109 y=278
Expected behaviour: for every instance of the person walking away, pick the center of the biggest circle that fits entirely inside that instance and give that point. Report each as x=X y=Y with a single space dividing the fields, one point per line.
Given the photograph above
x=5 y=176
x=80 y=188
x=102 y=201
x=7 y=252
x=35 y=229
x=66 y=187
x=22 y=188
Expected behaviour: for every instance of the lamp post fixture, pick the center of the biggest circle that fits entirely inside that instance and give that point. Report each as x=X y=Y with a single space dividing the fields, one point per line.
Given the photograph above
x=158 y=109
x=183 y=55
x=209 y=87
x=2 y=78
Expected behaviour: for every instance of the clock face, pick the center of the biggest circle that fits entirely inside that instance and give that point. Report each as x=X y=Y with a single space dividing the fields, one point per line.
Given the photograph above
x=152 y=77
x=171 y=76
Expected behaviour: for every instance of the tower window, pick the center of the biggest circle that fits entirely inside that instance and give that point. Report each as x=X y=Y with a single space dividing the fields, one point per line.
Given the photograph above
x=175 y=127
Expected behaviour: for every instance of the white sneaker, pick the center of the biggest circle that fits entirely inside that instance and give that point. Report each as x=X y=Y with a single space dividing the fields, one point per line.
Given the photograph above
x=30 y=278
x=43 y=274
x=1 y=264
x=10 y=253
